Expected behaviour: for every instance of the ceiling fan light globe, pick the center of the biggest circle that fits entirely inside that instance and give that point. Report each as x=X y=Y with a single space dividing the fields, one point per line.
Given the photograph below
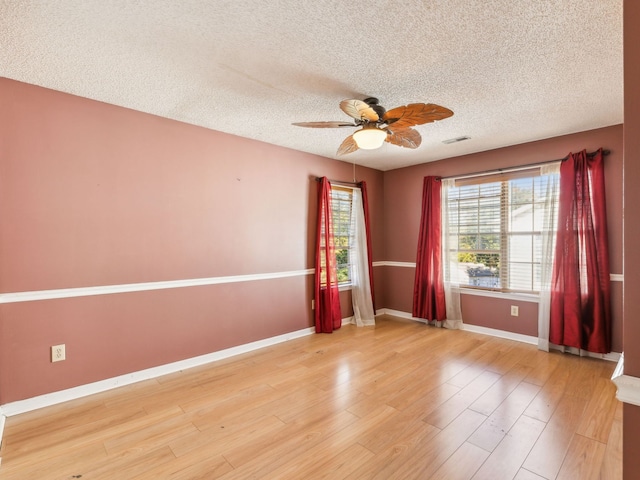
x=369 y=138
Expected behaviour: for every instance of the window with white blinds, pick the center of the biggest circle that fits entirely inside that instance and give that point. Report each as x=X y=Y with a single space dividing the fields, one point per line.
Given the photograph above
x=342 y=231
x=495 y=224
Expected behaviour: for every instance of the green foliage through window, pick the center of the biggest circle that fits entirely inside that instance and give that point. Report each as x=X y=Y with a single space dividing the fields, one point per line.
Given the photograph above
x=342 y=231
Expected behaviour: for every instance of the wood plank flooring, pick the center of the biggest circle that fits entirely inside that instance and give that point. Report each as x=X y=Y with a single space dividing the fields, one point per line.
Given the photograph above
x=400 y=400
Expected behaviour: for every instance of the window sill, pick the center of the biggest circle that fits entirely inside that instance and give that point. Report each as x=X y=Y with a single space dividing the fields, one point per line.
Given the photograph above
x=522 y=297
x=345 y=287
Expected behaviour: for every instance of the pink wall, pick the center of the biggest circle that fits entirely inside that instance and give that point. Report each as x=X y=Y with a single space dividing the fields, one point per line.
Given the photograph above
x=92 y=195
x=631 y=414
x=631 y=190
x=402 y=203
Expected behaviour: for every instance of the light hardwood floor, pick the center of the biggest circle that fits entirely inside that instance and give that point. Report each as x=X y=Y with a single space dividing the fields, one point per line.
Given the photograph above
x=398 y=401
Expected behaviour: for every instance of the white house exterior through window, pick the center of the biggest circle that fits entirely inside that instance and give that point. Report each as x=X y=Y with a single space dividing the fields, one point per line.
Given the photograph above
x=495 y=224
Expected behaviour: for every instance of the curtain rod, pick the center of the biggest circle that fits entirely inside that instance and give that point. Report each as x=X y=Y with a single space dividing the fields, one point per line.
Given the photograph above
x=339 y=182
x=513 y=169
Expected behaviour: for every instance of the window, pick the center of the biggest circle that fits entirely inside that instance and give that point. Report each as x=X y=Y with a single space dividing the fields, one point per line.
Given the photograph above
x=341 y=202
x=495 y=223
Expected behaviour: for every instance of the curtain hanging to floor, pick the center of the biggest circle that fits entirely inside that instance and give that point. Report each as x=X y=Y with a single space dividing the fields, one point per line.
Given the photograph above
x=367 y=226
x=361 y=281
x=549 y=224
x=428 y=292
x=328 y=316
x=451 y=269
x=580 y=313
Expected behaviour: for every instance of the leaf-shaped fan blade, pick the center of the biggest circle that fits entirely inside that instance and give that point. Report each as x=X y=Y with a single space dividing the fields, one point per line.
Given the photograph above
x=324 y=124
x=404 y=137
x=416 y=114
x=359 y=110
x=348 y=146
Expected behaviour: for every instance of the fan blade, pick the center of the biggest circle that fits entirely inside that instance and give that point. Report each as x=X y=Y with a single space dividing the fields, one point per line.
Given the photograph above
x=404 y=137
x=324 y=124
x=359 y=110
x=416 y=114
x=348 y=146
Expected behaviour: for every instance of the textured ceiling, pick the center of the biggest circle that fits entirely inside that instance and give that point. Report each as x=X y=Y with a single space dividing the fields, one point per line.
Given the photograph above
x=512 y=71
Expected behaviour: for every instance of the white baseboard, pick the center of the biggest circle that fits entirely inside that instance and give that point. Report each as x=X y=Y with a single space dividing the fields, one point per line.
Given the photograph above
x=470 y=328
x=628 y=387
x=34 y=403
x=501 y=334
x=3 y=419
x=612 y=357
x=399 y=314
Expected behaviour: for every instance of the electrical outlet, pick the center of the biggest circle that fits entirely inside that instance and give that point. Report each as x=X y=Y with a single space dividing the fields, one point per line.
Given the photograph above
x=514 y=310
x=313 y=304
x=58 y=353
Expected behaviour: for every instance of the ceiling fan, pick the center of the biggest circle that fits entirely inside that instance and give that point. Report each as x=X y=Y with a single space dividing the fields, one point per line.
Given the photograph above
x=379 y=125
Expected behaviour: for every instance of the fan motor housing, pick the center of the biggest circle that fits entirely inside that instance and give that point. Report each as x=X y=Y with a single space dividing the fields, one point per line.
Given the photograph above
x=374 y=103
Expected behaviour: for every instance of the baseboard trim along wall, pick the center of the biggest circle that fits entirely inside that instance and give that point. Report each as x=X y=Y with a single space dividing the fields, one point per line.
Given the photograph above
x=472 y=328
x=3 y=419
x=628 y=387
x=23 y=406
x=612 y=357
x=41 y=401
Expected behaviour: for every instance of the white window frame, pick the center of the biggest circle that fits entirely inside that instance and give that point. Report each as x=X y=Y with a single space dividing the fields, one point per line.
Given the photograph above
x=503 y=178
x=338 y=201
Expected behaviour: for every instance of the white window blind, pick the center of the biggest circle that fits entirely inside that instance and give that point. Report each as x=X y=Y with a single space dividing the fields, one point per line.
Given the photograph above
x=496 y=226
x=341 y=202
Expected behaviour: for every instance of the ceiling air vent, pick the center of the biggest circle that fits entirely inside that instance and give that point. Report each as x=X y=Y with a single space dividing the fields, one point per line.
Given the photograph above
x=456 y=140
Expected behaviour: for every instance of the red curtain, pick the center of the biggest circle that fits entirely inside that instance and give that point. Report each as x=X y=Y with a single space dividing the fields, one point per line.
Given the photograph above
x=365 y=204
x=328 y=316
x=580 y=289
x=428 y=290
